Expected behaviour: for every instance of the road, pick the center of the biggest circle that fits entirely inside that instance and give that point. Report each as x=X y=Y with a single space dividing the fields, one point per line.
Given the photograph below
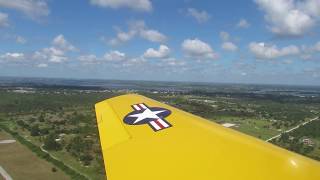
x=7 y=141
x=292 y=129
x=4 y=174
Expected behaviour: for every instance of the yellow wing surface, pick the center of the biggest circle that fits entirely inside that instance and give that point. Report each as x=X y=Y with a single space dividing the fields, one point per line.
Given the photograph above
x=143 y=139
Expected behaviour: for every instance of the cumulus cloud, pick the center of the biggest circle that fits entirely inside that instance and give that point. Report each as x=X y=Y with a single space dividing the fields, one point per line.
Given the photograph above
x=264 y=51
x=290 y=17
x=88 y=59
x=153 y=35
x=243 y=23
x=317 y=46
x=224 y=36
x=229 y=46
x=138 y=5
x=52 y=54
x=173 y=62
x=12 y=57
x=32 y=8
x=20 y=40
x=42 y=65
x=4 y=20
x=312 y=49
x=310 y=6
x=61 y=43
x=196 y=48
x=308 y=52
x=162 y=52
x=200 y=16
x=57 y=52
x=114 y=56
x=137 y=28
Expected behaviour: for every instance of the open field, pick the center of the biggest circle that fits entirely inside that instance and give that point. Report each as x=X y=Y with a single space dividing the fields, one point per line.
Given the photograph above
x=21 y=163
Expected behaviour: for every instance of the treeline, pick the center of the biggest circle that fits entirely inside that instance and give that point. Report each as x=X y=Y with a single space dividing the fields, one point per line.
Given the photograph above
x=50 y=101
x=73 y=174
x=280 y=98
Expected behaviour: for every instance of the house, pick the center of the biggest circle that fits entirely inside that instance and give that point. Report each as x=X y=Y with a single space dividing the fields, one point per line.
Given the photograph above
x=308 y=142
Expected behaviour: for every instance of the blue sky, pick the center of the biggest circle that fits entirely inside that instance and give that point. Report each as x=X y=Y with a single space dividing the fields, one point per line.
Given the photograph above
x=244 y=41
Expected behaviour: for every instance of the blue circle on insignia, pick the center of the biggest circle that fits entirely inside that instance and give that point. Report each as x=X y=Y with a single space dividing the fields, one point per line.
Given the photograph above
x=144 y=116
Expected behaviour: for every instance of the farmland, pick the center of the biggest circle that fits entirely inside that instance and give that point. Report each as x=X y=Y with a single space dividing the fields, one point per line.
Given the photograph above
x=21 y=163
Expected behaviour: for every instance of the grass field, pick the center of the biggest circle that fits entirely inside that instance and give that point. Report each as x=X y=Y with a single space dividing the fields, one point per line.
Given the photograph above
x=259 y=128
x=21 y=163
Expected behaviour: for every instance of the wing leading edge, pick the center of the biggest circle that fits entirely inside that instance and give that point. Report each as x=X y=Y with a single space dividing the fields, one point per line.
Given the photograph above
x=144 y=139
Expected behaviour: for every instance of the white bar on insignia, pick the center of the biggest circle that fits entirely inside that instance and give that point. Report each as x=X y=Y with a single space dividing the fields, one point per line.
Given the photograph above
x=136 y=107
x=164 y=124
x=155 y=125
x=143 y=106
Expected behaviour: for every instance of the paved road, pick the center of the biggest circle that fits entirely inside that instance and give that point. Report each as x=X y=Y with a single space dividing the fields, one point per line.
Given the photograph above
x=7 y=141
x=4 y=174
x=292 y=129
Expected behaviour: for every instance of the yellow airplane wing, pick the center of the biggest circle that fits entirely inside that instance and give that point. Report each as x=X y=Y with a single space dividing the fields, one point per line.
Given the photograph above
x=143 y=139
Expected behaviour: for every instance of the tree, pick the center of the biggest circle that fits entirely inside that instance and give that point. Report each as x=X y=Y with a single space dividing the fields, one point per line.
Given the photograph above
x=35 y=131
x=86 y=159
x=41 y=117
x=51 y=144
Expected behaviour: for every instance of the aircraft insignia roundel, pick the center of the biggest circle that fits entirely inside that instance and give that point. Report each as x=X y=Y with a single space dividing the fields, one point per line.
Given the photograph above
x=153 y=116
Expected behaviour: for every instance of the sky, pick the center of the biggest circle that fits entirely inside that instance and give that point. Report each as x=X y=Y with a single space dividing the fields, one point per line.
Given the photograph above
x=243 y=41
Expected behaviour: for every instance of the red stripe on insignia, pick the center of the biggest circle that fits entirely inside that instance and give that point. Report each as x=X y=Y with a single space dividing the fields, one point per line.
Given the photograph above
x=155 y=125
x=165 y=124
x=159 y=124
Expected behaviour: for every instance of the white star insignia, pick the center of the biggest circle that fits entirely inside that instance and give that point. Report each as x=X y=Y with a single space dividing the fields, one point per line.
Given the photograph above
x=147 y=113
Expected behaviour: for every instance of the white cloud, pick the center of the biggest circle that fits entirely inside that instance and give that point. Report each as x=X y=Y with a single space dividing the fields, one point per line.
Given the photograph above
x=172 y=62
x=243 y=23
x=290 y=17
x=263 y=51
x=12 y=57
x=200 y=16
x=61 y=43
x=138 y=5
x=153 y=35
x=114 y=56
x=57 y=52
x=229 y=46
x=309 y=51
x=42 y=65
x=32 y=8
x=88 y=59
x=137 y=28
x=4 y=20
x=20 y=40
x=52 y=54
x=198 y=49
x=224 y=36
x=317 y=46
x=310 y=6
x=162 y=52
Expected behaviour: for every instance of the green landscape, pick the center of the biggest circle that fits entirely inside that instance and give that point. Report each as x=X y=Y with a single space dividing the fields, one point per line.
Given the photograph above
x=58 y=123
